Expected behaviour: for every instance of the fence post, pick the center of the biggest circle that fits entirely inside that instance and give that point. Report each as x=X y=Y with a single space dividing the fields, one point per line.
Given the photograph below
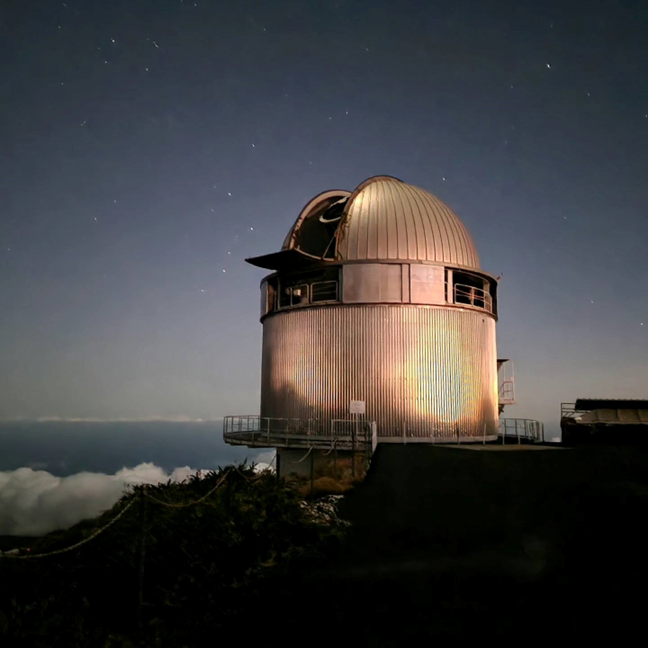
x=141 y=557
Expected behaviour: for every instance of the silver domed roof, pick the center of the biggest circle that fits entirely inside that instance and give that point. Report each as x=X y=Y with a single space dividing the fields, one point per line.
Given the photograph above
x=389 y=219
x=383 y=219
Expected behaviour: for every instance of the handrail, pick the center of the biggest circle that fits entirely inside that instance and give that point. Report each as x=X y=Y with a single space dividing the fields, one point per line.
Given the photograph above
x=254 y=430
x=474 y=295
x=520 y=428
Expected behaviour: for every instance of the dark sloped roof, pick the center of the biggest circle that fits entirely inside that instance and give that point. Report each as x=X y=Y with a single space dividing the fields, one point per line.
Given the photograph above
x=588 y=404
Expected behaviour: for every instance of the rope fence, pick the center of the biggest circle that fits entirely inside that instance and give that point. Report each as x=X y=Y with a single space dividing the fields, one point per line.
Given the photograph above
x=219 y=483
x=78 y=544
x=120 y=515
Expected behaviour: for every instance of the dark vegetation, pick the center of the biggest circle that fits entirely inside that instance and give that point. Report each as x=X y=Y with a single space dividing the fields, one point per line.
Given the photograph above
x=204 y=565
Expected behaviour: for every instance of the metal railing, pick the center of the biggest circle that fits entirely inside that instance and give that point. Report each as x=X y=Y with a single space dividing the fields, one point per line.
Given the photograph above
x=265 y=432
x=527 y=430
x=477 y=297
x=507 y=393
x=568 y=410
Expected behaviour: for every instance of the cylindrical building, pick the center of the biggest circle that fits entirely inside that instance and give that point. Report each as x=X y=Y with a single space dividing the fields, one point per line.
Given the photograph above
x=378 y=296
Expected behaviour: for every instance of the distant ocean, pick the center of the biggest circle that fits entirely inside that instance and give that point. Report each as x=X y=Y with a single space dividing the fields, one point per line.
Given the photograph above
x=67 y=448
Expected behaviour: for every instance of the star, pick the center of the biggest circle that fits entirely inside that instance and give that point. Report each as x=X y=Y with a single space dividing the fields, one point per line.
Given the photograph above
x=224 y=270
x=202 y=290
x=548 y=66
x=253 y=146
x=112 y=40
x=95 y=218
x=229 y=193
x=251 y=229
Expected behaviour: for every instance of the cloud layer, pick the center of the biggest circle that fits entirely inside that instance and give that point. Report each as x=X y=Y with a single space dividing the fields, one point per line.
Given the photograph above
x=34 y=502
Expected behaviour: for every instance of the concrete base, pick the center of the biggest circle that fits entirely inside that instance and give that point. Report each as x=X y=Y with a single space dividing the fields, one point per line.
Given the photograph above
x=319 y=463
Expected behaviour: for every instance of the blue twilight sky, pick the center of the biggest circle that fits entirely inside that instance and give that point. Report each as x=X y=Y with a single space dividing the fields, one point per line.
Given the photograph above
x=149 y=146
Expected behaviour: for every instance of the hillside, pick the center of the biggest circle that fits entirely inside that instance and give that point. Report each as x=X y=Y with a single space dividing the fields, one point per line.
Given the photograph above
x=480 y=543
x=202 y=564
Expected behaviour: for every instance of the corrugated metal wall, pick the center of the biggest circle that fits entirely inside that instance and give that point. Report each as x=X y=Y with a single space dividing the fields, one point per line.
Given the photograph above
x=423 y=371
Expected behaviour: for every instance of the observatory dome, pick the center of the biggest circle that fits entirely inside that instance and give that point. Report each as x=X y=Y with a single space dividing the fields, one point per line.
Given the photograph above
x=383 y=219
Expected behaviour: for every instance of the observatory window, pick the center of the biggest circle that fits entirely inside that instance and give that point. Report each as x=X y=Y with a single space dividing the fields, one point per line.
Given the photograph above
x=324 y=291
x=295 y=295
x=268 y=297
x=309 y=288
x=471 y=290
x=264 y=298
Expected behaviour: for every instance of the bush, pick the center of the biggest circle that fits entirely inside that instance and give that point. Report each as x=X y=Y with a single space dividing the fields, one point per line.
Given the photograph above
x=204 y=564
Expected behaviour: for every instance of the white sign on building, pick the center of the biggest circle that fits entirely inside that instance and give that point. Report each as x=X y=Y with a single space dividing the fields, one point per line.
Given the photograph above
x=357 y=407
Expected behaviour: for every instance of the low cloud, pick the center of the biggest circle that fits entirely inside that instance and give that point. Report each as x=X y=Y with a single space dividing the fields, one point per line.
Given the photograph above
x=34 y=502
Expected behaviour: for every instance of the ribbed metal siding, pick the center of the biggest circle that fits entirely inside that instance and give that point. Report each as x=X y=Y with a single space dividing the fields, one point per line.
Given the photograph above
x=423 y=371
x=389 y=219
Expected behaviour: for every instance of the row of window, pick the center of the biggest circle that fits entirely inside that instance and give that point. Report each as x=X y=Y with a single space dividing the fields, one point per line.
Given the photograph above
x=378 y=283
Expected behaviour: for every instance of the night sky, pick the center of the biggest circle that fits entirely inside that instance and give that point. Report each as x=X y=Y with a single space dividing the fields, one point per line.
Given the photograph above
x=149 y=147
